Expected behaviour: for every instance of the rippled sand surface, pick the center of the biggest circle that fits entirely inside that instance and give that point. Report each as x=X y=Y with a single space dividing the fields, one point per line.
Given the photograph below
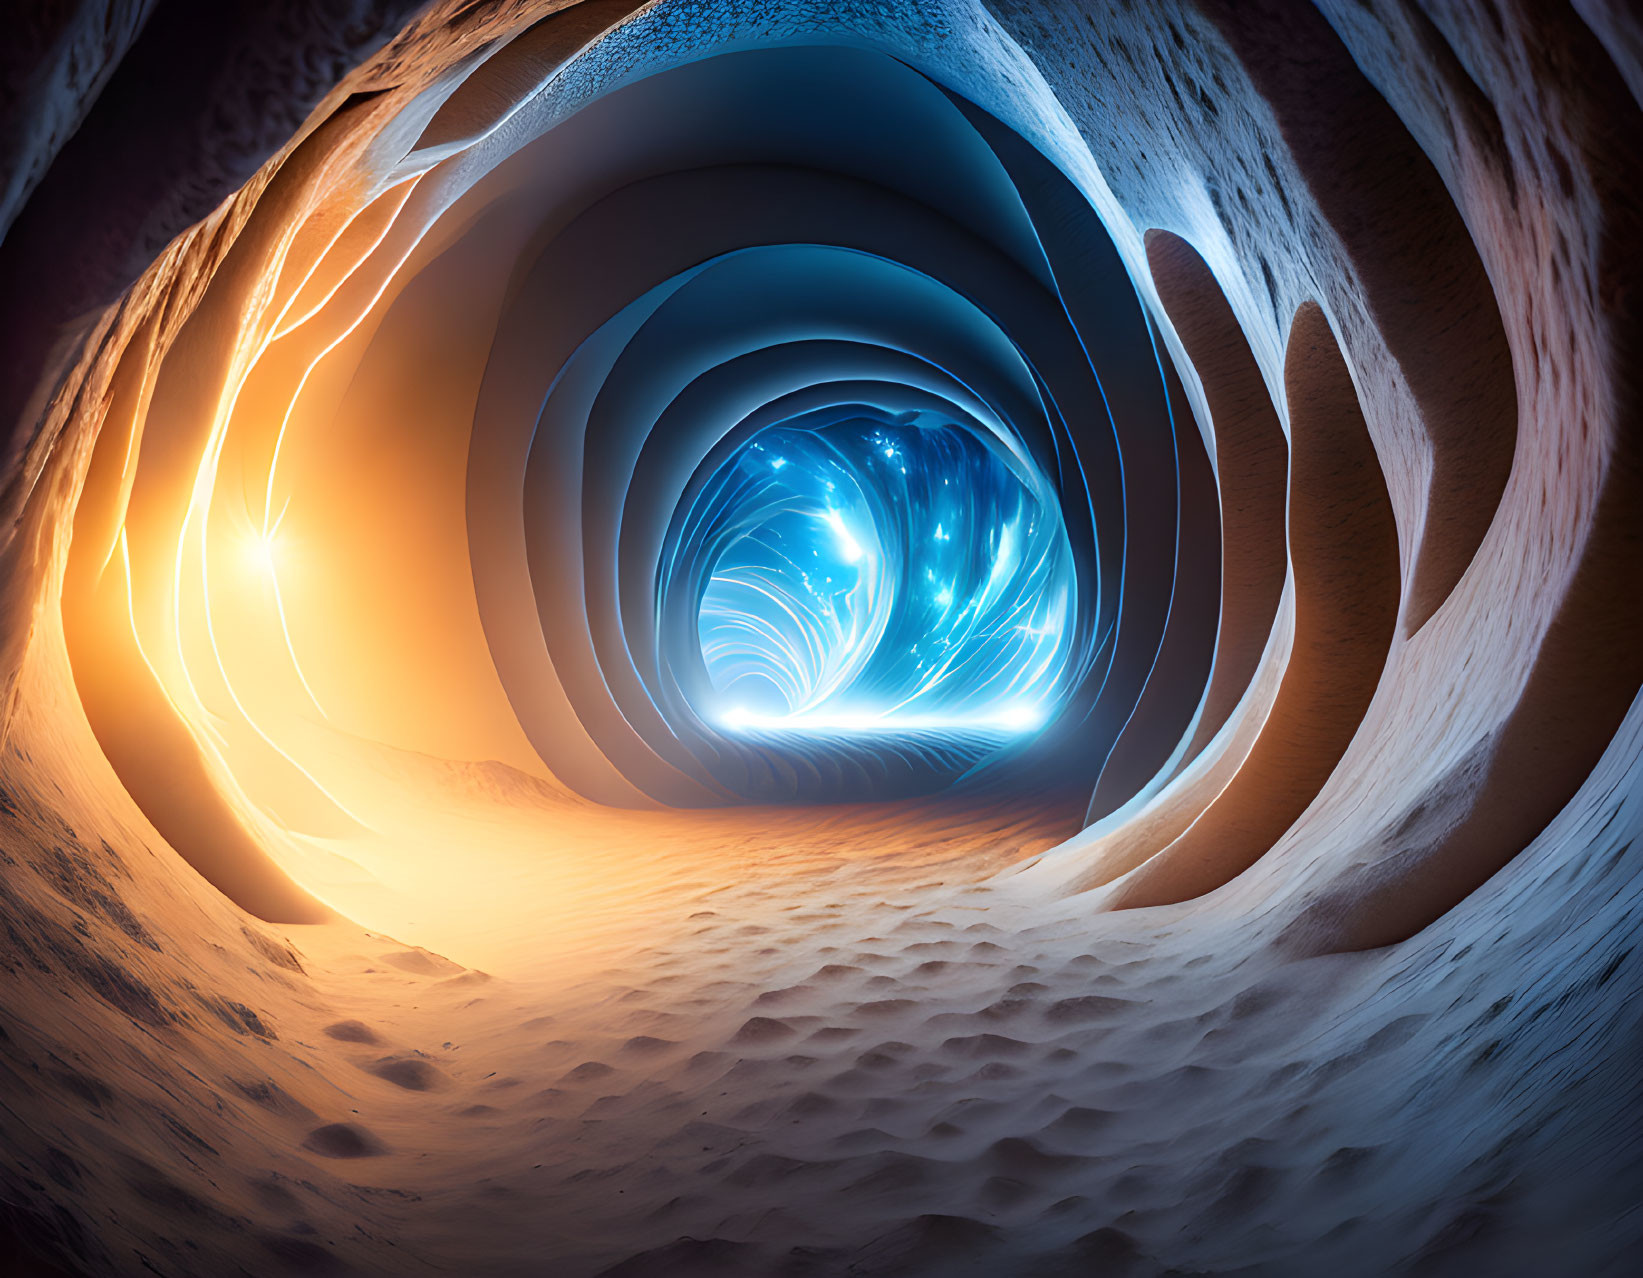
x=841 y=1050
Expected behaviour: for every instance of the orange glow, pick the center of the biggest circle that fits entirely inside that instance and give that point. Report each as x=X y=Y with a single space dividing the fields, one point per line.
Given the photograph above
x=224 y=609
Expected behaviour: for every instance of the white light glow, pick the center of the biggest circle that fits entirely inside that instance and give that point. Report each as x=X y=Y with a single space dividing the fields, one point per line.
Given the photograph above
x=260 y=555
x=849 y=548
x=1014 y=718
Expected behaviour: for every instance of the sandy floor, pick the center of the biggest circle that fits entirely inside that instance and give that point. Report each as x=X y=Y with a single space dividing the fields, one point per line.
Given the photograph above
x=845 y=1049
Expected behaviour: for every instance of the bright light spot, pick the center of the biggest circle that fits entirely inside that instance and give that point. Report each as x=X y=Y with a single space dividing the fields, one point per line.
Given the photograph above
x=259 y=554
x=1021 y=718
x=1013 y=719
x=849 y=547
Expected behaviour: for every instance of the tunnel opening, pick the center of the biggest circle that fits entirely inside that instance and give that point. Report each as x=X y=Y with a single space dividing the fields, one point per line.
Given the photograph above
x=457 y=487
x=836 y=563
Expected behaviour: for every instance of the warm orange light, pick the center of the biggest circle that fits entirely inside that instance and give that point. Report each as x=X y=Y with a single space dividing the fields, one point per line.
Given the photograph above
x=318 y=689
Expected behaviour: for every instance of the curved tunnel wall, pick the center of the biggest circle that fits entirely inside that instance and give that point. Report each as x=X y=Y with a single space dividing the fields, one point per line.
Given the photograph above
x=1286 y=389
x=620 y=338
x=620 y=359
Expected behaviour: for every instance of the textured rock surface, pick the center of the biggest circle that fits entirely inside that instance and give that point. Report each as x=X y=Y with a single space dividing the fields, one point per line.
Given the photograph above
x=1390 y=1027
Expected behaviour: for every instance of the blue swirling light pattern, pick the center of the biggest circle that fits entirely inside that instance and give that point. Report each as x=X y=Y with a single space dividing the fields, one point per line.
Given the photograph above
x=873 y=576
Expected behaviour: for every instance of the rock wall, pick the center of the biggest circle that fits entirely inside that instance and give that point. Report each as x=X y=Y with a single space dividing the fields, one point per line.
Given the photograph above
x=377 y=897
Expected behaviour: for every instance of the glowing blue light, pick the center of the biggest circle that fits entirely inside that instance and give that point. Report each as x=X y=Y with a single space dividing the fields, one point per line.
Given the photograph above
x=832 y=648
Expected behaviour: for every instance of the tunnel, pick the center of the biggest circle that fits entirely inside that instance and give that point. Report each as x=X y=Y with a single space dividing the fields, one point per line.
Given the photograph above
x=978 y=638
